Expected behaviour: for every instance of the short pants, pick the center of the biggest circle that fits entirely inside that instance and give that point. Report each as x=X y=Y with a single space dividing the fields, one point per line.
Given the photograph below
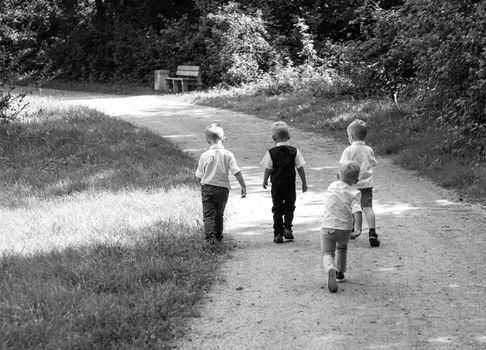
x=366 y=197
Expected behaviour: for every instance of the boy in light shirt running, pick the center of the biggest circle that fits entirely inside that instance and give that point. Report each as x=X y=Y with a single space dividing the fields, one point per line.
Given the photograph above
x=341 y=208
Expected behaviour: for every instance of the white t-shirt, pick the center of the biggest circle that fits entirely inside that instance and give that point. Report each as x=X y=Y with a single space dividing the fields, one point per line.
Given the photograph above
x=342 y=201
x=215 y=165
x=365 y=157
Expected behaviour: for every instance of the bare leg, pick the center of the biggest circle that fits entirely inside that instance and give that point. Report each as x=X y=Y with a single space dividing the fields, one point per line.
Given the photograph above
x=370 y=216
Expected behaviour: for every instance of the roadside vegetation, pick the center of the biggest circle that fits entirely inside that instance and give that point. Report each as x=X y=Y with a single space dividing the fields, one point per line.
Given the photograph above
x=102 y=245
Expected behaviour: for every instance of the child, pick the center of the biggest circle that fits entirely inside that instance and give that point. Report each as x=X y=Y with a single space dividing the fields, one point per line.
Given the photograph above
x=341 y=208
x=280 y=163
x=364 y=156
x=213 y=172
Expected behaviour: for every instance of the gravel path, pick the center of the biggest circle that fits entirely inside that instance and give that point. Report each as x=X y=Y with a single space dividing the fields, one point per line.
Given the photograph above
x=424 y=288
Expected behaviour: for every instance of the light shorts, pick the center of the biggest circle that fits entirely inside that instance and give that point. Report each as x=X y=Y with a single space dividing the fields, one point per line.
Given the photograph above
x=366 y=197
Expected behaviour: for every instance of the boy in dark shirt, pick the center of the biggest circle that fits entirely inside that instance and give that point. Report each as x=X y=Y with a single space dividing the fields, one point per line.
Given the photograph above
x=280 y=163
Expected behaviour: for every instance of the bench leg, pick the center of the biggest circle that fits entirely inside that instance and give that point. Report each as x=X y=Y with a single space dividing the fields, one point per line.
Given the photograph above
x=176 y=89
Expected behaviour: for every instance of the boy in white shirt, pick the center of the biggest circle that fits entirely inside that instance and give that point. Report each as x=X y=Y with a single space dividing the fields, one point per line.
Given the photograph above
x=341 y=208
x=213 y=172
x=364 y=156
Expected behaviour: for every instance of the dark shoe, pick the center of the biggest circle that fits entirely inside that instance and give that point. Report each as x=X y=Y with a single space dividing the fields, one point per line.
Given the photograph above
x=219 y=238
x=340 y=277
x=287 y=233
x=331 y=281
x=278 y=239
x=374 y=241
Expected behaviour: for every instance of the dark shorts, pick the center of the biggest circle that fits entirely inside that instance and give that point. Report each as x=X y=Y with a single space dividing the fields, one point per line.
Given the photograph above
x=366 y=197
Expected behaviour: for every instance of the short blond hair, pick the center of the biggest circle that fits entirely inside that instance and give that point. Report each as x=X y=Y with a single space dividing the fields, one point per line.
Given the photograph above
x=349 y=172
x=280 y=131
x=358 y=129
x=214 y=132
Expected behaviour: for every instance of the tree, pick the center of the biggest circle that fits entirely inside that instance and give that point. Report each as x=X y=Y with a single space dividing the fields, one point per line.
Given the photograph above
x=237 y=46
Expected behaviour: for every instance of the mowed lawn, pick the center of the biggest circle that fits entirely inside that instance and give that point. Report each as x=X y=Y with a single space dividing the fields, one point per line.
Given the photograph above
x=100 y=236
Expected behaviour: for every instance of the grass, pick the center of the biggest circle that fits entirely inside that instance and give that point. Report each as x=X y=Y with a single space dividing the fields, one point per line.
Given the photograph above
x=101 y=241
x=412 y=144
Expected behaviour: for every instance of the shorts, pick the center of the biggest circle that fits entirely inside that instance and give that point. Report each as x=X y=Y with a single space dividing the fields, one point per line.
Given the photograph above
x=366 y=197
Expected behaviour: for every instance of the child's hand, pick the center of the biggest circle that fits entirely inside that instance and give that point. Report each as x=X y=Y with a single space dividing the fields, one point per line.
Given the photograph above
x=355 y=234
x=304 y=187
x=243 y=192
x=265 y=184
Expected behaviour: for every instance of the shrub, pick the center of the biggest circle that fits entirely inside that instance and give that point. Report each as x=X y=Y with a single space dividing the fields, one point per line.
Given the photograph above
x=435 y=48
x=237 y=46
x=12 y=103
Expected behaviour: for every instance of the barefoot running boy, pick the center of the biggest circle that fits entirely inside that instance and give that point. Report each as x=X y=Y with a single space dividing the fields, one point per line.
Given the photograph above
x=280 y=163
x=341 y=207
x=359 y=152
x=213 y=172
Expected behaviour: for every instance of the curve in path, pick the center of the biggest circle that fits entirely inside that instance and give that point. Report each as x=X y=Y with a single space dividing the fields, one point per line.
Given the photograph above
x=423 y=288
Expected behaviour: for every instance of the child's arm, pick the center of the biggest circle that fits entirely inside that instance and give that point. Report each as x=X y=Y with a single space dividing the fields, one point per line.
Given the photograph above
x=301 y=172
x=358 y=222
x=241 y=181
x=266 y=175
x=372 y=160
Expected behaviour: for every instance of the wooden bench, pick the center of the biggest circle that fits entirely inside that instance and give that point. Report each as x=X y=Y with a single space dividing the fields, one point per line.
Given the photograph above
x=186 y=76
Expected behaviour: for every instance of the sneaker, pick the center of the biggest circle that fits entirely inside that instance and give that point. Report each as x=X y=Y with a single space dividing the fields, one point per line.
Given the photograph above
x=374 y=241
x=278 y=239
x=287 y=233
x=340 y=277
x=331 y=281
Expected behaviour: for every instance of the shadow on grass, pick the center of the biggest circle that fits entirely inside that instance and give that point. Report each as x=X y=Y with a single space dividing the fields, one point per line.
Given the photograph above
x=108 y=295
x=60 y=152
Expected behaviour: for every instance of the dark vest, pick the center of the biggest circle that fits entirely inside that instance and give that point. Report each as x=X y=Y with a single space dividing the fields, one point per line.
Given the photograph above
x=283 y=158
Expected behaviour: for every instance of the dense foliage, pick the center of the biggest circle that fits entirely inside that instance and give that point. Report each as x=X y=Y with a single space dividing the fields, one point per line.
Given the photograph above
x=431 y=50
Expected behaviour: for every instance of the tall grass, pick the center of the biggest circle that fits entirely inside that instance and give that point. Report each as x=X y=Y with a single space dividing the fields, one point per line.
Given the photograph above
x=47 y=155
x=100 y=238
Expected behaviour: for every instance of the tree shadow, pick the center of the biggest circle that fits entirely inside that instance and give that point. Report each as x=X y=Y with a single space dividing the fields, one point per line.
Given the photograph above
x=109 y=294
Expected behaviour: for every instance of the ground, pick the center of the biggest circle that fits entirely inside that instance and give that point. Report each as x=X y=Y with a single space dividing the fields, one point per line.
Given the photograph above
x=423 y=288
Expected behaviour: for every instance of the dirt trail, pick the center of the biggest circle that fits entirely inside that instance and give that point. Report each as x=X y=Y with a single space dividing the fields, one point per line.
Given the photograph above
x=424 y=288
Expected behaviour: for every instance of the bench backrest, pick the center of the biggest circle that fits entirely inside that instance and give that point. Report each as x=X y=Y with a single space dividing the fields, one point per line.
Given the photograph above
x=188 y=71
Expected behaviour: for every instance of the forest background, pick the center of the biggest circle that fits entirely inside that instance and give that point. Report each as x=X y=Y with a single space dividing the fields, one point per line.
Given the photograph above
x=426 y=57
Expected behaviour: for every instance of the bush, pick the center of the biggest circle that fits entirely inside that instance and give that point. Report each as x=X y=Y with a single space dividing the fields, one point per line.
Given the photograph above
x=238 y=50
x=308 y=80
x=434 y=48
x=12 y=103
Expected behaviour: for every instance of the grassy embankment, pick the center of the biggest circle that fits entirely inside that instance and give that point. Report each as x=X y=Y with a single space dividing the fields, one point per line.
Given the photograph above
x=100 y=241
x=413 y=145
